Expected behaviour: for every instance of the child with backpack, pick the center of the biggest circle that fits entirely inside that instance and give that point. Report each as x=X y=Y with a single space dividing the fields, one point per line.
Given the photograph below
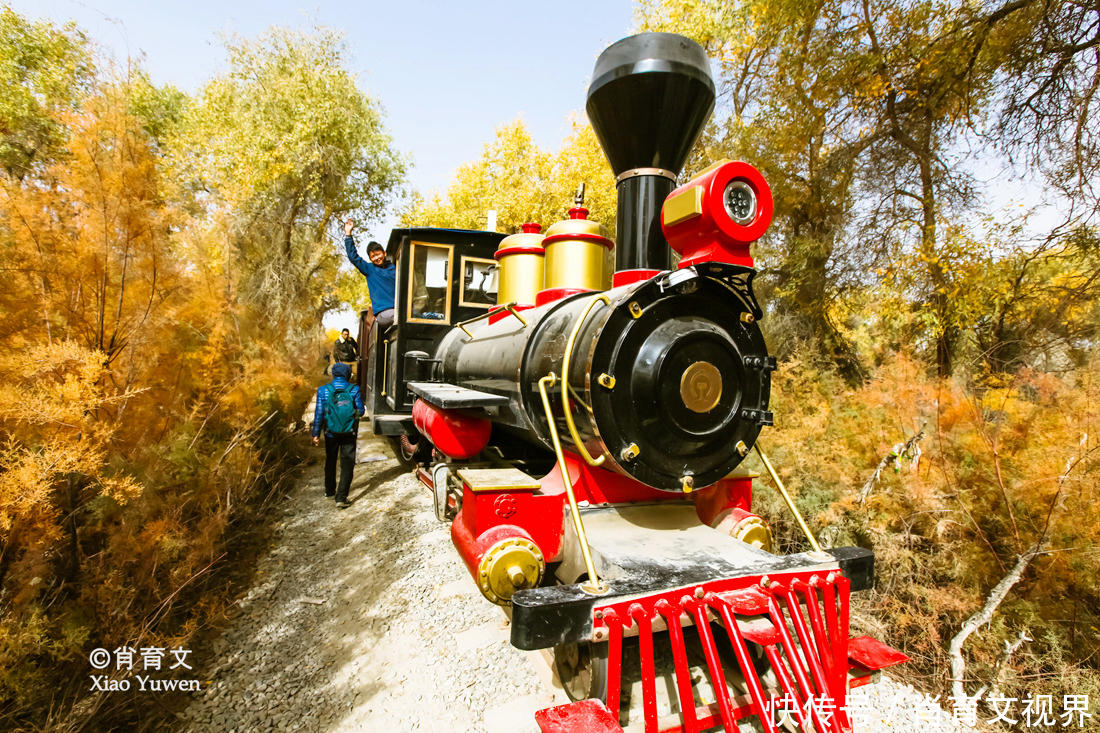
x=339 y=407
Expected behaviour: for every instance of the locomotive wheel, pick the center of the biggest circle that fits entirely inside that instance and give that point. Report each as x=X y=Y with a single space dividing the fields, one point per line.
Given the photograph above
x=582 y=670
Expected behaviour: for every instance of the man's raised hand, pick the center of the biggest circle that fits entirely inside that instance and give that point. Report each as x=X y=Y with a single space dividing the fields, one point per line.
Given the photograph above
x=348 y=226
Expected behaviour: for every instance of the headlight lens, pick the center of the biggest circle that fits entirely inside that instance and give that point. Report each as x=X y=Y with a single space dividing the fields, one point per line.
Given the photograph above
x=740 y=202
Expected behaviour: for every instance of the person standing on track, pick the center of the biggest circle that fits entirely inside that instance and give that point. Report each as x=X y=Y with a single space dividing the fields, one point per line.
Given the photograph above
x=381 y=277
x=339 y=407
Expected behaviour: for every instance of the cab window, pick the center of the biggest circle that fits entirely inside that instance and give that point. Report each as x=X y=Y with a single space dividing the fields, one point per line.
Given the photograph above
x=479 y=282
x=430 y=283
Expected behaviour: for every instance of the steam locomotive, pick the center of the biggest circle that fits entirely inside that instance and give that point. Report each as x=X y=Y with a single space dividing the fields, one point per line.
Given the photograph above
x=580 y=410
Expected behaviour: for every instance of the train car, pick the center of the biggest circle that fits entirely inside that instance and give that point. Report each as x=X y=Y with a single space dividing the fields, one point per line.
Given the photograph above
x=584 y=435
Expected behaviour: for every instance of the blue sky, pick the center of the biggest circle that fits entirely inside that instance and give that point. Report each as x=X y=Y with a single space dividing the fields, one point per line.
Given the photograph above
x=447 y=73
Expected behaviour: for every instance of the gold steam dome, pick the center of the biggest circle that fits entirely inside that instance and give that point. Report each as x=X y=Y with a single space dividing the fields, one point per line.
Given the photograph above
x=521 y=266
x=576 y=251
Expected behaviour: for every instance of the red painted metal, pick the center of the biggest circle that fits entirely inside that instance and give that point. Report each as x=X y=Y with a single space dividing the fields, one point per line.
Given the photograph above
x=519 y=249
x=584 y=716
x=809 y=660
x=710 y=651
x=806 y=688
x=502 y=313
x=872 y=654
x=627 y=277
x=820 y=636
x=472 y=548
x=801 y=618
x=578 y=236
x=530 y=249
x=728 y=493
x=709 y=716
x=425 y=476
x=614 y=659
x=451 y=432
x=744 y=661
x=602 y=486
x=713 y=236
x=649 y=675
x=525 y=514
x=538 y=515
x=679 y=659
x=809 y=657
x=579 y=212
x=551 y=294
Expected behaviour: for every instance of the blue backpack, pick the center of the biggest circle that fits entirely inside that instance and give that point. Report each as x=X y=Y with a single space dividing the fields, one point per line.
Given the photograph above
x=340 y=412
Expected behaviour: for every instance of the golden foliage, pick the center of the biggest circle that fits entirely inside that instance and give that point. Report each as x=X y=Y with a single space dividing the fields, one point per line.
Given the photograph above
x=144 y=403
x=1004 y=468
x=522 y=183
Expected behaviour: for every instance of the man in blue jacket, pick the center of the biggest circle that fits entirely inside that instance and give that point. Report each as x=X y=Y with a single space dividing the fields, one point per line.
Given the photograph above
x=381 y=277
x=339 y=407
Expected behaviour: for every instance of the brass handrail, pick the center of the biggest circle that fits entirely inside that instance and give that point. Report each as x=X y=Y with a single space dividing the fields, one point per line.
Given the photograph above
x=790 y=505
x=593 y=586
x=510 y=307
x=565 y=381
x=385 y=360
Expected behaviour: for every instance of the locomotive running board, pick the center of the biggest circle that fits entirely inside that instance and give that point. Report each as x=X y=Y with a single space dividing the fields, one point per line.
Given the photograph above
x=452 y=397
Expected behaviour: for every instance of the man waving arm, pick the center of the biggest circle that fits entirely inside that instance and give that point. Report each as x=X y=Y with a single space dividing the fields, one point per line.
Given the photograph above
x=349 y=248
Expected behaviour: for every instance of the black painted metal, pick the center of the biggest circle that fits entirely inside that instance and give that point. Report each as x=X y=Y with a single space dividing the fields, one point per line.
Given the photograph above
x=641 y=243
x=385 y=393
x=649 y=98
x=450 y=397
x=651 y=95
x=683 y=321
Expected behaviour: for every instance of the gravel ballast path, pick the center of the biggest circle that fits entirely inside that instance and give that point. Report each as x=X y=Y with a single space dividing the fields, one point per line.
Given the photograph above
x=365 y=619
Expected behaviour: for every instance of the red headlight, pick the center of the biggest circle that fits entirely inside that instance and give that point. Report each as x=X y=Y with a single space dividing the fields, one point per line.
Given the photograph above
x=715 y=216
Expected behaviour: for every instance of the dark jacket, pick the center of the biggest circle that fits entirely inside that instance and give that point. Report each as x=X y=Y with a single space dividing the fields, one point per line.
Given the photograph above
x=323 y=394
x=381 y=281
x=345 y=350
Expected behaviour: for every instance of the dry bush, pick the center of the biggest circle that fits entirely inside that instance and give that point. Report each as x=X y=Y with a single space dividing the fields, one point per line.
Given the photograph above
x=1007 y=465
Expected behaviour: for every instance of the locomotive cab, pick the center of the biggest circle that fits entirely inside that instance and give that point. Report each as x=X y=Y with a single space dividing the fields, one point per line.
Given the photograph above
x=444 y=277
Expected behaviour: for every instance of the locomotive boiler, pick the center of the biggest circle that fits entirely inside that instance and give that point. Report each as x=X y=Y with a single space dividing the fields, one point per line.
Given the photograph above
x=583 y=426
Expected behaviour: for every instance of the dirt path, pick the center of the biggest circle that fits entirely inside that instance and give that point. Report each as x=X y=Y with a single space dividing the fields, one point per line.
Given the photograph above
x=365 y=619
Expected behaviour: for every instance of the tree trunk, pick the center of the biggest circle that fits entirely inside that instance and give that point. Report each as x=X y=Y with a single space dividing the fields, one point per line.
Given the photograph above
x=72 y=495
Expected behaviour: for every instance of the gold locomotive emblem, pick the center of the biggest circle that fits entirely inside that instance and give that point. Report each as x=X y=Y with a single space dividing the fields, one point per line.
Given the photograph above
x=701 y=386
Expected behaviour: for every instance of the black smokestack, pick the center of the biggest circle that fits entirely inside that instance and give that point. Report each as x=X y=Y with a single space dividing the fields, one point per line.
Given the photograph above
x=650 y=97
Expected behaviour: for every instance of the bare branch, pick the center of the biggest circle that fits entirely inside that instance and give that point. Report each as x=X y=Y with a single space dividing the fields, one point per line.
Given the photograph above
x=984 y=616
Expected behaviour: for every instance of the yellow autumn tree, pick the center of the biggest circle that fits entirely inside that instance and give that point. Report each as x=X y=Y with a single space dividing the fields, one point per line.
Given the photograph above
x=165 y=267
x=280 y=146
x=522 y=183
